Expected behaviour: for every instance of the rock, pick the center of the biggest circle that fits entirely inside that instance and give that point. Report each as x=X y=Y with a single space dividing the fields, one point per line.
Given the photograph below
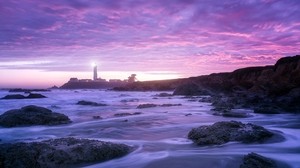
x=267 y=109
x=253 y=160
x=30 y=96
x=164 y=95
x=29 y=90
x=190 y=89
x=35 y=96
x=90 y=103
x=188 y=114
x=126 y=114
x=146 y=106
x=63 y=152
x=97 y=117
x=223 y=132
x=14 y=96
x=169 y=105
x=129 y=100
x=32 y=115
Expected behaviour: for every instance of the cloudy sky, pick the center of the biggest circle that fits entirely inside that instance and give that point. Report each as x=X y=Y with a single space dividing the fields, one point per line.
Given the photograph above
x=45 y=42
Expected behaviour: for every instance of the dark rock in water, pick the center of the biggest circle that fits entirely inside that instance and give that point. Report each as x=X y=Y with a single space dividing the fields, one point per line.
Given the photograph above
x=164 y=95
x=169 y=105
x=32 y=115
x=267 y=109
x=90 y=103
x=188 y=114
x=190 y=89
x=126 y=114
x=29 y=90
x=253 y=160
x=14 y=96
x=63 y=152
x=223 y=132
x=30 y=96
x=146 y=106
x=97 y=117
x=129 y=100
x=35 y=96
x=155 y=105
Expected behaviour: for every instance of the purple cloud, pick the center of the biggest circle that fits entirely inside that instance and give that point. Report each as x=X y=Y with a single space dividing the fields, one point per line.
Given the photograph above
x=189 y=37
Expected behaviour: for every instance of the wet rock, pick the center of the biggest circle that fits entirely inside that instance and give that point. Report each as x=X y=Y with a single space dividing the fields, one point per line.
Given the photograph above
x=32 y=115
x=29 y=90
x=129 y=100
x=63 y=152
x=146 y=106
x=188 y=114
x=97 y=117
x=223 y=132
x=164 y=95
x=14 y=96
x=30 y=96
x=90 y=103
x=267 y=109
x=126 y=114
x=35 y=96
x=169 y=105
x=253 y=160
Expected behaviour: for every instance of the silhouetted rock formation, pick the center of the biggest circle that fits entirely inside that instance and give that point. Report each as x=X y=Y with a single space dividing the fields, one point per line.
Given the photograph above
x=63 y=152
x=223 y=132
x=90 y=103
x=270 y=88
x=253 y=160
x=126 y=114
x=32 y=115
x=30 y=96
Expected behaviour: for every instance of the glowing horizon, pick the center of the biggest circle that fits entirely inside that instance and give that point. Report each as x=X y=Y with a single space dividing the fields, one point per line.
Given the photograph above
x=44 y=43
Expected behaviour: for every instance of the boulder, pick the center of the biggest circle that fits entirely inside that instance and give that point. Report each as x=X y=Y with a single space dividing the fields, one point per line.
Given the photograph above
x=223 y=132
x=14 y=96
x=35 y=96
x=164 y=95
x=63 y=152
x=146 y=106
x=253 y=160
x=169 y=105
x=32 y=115
x=90 y=103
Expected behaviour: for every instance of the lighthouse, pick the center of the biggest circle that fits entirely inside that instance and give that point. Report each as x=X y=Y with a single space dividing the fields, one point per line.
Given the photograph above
x=95 y=77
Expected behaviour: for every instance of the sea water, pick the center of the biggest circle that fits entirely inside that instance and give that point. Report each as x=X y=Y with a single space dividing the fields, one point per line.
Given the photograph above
x=159 y=134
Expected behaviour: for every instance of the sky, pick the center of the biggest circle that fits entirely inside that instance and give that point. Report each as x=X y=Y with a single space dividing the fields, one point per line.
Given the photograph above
x=44 y=43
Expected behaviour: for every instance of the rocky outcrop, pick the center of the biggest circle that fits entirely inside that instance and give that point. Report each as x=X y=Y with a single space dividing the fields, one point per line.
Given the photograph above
x=90 y=103
x=32 y=115
x=275 y=86
x=223 y=132
x=63 y=152
x=253 y=160
x=19 y=96
x=35 y=96
x=14 y=96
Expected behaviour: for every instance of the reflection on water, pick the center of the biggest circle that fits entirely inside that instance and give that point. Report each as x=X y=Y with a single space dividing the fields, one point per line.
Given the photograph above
x=159 y=134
